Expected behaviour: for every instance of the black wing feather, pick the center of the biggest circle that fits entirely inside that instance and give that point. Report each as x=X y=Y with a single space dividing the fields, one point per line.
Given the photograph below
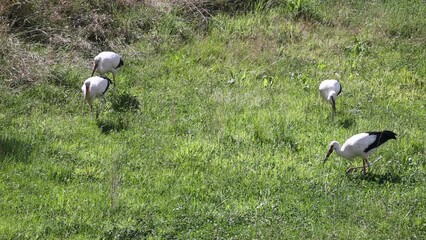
x=340 y=88
x=381 y=137
x=109 y=82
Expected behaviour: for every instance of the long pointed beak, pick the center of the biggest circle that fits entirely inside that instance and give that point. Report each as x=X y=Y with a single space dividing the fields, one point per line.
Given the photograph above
x=87 y=93
x=328 y=155
x=95 y=66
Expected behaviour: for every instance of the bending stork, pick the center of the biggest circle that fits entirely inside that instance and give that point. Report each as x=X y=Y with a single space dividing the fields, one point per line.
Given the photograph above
x=360 y=145
x=329 y=90
x=95 y=87
x=106 y=62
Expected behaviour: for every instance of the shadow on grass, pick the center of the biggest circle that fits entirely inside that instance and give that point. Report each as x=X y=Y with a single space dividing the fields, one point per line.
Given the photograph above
x=346 y=122
x=111 y=125
x=123 y=101
x=379 y=178
x=16 y=150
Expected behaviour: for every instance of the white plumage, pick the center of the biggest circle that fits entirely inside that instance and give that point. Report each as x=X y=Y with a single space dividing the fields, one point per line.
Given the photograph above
x=360 y=145
x=106 y=62
x=95 y=87
x=329 y=90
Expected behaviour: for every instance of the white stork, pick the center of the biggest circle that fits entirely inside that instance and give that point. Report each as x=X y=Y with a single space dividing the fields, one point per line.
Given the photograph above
x=106 y=62
x=329 y=90
x=360 y=145
x=95 y=87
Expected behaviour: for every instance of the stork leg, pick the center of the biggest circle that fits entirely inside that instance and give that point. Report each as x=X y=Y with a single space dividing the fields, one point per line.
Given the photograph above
x=364 y=168
x=101 y=106
x=350 y=170
x=97 y=114
x=368 y=163
x=365 y=165
x=333 y=106
x=114 y=82
x=91 y=109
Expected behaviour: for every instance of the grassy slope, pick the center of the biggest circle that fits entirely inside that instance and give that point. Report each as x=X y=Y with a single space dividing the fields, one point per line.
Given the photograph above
x=205 y=159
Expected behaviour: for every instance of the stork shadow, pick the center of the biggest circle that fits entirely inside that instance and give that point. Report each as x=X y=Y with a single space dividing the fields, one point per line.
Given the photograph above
x=346 y=122
x=15 y=150
x=122 y=101
x=379 y=178
x=111 y=125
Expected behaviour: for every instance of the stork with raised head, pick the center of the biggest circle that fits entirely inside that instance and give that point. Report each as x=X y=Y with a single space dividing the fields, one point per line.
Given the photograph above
x=106 y=62
x=329 y=90
x=360 y=145
x=95 y=87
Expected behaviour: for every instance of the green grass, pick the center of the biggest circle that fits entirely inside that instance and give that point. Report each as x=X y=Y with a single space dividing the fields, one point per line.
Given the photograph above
x=180 y=153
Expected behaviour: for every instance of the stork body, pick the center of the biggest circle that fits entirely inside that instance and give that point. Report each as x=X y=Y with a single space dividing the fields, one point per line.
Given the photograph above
x=95 y=87
x=106 y=62
x=360 y=145
x=329 y=90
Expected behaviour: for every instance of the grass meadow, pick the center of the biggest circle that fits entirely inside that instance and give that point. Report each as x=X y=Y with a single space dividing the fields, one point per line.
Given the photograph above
x=180 y=152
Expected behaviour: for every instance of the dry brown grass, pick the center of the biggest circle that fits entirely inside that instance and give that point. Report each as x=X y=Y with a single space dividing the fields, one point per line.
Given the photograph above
x=21 y=66
x=37 y=34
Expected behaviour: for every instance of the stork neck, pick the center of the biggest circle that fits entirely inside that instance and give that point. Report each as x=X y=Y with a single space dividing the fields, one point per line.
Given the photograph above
x=331 y=94
x=339 y=151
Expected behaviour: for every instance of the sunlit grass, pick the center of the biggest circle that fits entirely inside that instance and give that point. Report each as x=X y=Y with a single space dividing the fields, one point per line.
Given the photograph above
x=181 y=152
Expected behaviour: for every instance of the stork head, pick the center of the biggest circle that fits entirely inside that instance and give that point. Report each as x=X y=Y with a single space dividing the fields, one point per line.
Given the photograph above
x=95 y=65
x=333 y=145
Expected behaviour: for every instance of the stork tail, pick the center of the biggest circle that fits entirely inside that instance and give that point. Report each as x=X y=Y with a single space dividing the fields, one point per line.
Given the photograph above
x=381 y=138
x=121 y=63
